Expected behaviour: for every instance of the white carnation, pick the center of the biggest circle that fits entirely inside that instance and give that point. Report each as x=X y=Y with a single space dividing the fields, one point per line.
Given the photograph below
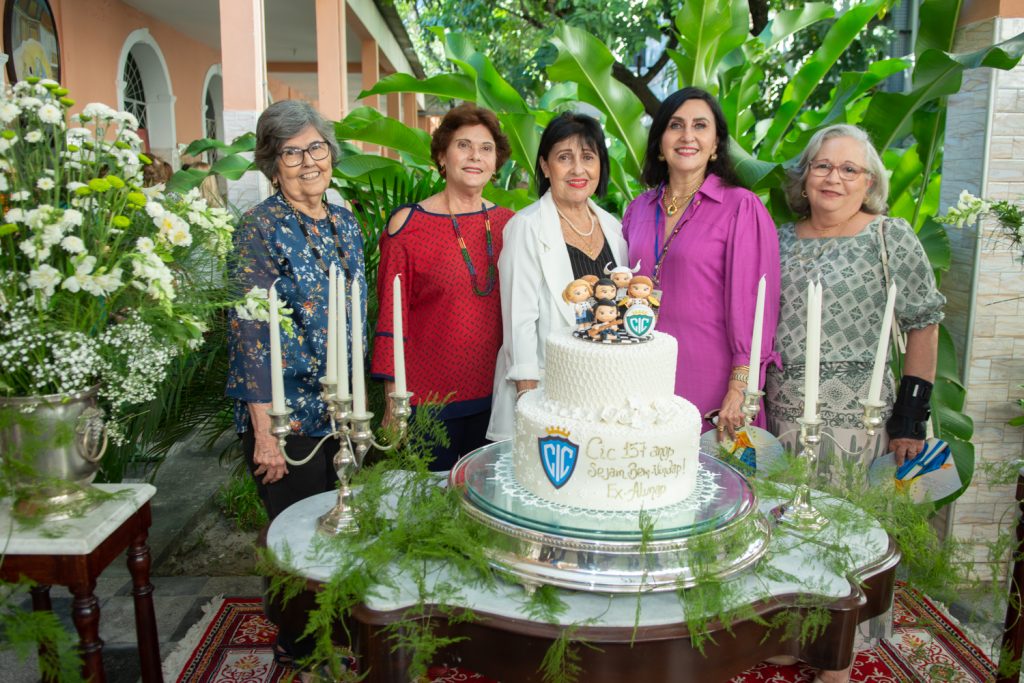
x=99 y=110
x=45 y=278
x=155 y=210
x=73 y=244
x=49 y=113
x=127 y=119
x=144 y=245
x=72 y=218
x=9 y=111
x=20 y=196
x=33 y=136
x=45 y=184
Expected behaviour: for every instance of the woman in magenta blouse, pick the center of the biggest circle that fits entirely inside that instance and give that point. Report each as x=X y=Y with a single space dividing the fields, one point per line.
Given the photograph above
x=705 y=242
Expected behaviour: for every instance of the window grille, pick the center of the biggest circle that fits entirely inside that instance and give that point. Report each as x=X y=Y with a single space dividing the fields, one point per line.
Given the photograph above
x=134 y=91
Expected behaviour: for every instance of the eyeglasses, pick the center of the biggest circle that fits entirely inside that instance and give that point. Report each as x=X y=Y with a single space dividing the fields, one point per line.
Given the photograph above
x=847 y=171
x=292 y=156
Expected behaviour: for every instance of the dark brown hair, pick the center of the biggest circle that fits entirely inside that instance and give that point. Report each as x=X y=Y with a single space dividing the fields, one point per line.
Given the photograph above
x=468 y=114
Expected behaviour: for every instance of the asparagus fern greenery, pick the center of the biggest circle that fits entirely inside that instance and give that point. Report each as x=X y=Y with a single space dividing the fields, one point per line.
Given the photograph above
x=408 y=525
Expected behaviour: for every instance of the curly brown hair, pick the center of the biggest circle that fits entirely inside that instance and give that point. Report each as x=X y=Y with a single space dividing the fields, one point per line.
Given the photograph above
x=468 y=114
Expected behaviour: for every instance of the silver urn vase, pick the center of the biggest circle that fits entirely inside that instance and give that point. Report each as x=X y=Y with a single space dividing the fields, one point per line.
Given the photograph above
x=51 y=447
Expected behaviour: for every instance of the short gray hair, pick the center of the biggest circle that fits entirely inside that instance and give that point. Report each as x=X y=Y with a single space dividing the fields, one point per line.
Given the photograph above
x=282 y=121
x=876 y=200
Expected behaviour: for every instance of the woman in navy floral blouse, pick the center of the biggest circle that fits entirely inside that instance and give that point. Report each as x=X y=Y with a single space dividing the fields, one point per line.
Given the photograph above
x=292 y=238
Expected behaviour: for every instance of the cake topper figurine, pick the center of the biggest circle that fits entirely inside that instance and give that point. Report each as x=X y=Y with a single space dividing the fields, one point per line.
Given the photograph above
x=577 y=294
x=606 y=321
x=591 y=279
x=604 y=289
x=621 y=275
x=639 y=292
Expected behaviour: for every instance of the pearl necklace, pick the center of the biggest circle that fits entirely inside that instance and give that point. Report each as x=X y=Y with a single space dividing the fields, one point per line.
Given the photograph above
x=572 y=226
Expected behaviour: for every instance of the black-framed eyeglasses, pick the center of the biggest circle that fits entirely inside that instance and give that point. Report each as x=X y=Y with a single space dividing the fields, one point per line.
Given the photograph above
x=847 y=171
x=292 y=156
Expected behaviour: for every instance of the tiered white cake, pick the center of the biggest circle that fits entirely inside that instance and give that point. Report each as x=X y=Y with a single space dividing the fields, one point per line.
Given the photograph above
x=605 y=431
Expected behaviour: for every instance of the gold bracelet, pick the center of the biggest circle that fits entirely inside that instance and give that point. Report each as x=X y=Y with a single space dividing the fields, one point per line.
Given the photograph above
x=740 y=373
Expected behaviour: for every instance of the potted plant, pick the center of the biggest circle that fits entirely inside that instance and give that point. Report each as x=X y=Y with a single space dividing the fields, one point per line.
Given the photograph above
x=103 y=283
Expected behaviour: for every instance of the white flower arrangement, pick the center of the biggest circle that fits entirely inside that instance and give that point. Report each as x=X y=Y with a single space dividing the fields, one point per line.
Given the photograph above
x=100 y=282
x=970 y=209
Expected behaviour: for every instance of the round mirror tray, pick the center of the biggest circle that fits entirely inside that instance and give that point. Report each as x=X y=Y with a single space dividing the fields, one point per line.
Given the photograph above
x=714 y=534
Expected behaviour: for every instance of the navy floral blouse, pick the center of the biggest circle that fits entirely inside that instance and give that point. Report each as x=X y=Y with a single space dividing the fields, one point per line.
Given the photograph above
x=270 y=245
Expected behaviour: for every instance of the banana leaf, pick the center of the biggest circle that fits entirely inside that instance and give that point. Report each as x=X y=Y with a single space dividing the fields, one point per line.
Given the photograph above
x=936 y=75
x=583 y=59
x=838 y=39
x=369 y=125
x=447 y=86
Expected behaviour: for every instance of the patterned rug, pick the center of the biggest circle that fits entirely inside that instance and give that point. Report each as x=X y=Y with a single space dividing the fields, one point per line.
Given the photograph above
x=232 y=644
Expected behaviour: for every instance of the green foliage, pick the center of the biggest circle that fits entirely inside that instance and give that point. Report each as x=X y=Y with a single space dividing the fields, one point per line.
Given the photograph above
x=561 y=662
x=238 y=499
x=23 y=632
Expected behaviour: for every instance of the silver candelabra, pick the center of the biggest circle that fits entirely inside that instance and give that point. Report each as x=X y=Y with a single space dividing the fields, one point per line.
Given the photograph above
x=799 y=513
x=355 y=434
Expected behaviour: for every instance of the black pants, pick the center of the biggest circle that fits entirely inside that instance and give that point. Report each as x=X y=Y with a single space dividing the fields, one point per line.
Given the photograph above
x=316 y=476
x=466 y=435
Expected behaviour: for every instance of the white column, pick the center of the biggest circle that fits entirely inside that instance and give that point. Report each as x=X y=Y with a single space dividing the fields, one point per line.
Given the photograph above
x=244 y=62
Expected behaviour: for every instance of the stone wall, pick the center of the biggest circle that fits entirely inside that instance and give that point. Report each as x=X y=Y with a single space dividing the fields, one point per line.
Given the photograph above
x=984 y=153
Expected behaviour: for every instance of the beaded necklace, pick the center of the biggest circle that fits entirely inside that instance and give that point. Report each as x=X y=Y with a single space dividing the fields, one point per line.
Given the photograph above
x=309 y=240
x=660 y=252
x=492 y=270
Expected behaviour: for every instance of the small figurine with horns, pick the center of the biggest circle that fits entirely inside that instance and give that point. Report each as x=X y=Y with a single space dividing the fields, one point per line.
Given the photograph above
x=621 y=276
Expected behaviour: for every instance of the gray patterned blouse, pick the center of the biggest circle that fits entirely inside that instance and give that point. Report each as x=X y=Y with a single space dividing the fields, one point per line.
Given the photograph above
x=854 y=291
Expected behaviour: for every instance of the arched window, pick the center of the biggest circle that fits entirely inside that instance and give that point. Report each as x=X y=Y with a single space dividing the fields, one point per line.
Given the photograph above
x=144 y=89
x=210 y=116
x=134 y=91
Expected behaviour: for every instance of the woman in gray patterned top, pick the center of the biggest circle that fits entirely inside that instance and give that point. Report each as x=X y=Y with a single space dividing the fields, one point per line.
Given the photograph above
x=839 y=186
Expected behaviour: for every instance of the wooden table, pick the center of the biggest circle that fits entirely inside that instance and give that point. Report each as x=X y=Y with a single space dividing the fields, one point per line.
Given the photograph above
x=505 y=644
x=74 y=552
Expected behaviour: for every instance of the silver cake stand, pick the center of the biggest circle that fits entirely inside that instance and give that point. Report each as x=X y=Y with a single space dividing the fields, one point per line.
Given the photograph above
x=714 y=534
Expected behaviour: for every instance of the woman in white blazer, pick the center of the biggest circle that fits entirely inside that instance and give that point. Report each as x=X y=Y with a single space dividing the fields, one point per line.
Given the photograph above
x=557 y=239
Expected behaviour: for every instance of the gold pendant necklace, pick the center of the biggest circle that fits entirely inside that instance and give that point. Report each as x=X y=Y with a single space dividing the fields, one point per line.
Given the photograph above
x=673 y=204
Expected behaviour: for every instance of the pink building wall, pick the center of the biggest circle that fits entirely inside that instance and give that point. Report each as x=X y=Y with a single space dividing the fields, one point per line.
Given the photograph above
x=92 y=35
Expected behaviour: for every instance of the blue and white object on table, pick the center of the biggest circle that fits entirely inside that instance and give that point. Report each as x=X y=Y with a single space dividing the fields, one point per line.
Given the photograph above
x=755 y=447
x=931 y=475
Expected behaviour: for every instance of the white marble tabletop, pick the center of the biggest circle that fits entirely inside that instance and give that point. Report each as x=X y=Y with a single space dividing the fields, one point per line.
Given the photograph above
x=798 y=567
x=77 y=535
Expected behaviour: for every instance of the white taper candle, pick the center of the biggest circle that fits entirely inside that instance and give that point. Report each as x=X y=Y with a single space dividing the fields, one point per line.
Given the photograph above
x=358 y=380
x=276 y=371
x=754 y=375
x=332 y=326
x=812 y=354
x=398 y=331
x=882 y=351
x=342 y=340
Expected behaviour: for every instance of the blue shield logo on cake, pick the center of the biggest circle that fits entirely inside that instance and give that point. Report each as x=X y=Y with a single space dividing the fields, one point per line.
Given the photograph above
x=639 y=320
x=558 y=456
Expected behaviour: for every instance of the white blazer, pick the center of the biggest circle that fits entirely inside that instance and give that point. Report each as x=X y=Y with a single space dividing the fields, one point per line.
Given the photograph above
x=534 y=269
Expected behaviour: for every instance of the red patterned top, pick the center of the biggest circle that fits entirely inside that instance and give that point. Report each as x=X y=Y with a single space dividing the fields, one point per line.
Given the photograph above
x=452 y=335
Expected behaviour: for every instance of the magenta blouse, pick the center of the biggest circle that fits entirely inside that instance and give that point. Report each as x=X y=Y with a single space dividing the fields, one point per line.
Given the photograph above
x=708 y=279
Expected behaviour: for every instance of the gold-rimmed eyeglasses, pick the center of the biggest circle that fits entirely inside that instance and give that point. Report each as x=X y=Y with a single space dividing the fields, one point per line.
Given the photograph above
x=292 y=156
x=847 y=171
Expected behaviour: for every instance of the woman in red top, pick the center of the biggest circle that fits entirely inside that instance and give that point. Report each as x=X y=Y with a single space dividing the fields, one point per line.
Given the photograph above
x=446 y=250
